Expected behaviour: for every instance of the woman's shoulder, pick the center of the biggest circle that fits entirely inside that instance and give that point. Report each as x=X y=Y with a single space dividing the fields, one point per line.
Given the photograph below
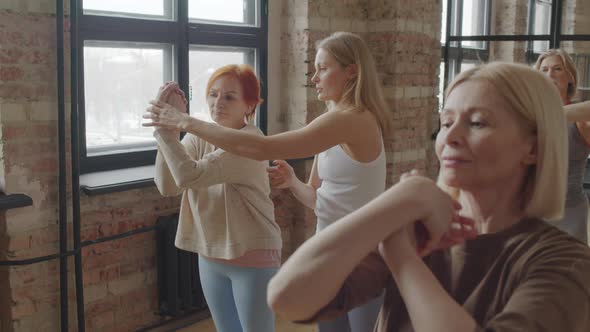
x=354 y=115
x=549 y=246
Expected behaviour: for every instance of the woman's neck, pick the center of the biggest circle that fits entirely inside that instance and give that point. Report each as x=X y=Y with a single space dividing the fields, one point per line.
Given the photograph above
x=338 y=105
x=564 y=98
x=492 y=210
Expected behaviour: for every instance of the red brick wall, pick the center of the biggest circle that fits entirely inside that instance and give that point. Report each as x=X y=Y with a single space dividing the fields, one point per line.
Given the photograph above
x=119 y=276
x=27 y=95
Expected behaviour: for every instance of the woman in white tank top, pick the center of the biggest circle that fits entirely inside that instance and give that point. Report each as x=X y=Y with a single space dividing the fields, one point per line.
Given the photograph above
x=349 y=168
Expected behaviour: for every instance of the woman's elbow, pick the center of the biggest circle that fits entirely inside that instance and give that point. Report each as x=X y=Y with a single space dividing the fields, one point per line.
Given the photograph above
x=283 y=304
x=279 y=304
x=164 y=190
x=260 y=157
x=273 y=297
x=181 y=182
x=255 y=153
x=260 y=150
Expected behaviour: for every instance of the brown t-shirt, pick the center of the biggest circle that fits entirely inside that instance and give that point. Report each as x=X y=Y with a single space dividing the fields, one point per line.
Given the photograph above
x=530 y=277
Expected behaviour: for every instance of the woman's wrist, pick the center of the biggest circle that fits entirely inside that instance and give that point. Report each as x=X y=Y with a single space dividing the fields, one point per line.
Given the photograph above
x=166 y=133
x=398 y=250
x=188 y=123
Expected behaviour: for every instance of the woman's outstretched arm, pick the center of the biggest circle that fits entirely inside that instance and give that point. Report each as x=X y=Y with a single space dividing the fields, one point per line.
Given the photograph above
x=324 y=132
x=578 y=112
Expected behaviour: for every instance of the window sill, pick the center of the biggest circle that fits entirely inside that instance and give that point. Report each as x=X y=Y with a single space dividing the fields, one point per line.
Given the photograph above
x=100 y=183
x=12 y=201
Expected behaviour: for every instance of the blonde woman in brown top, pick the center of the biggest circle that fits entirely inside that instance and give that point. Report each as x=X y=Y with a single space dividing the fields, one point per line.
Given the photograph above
x=502 y=151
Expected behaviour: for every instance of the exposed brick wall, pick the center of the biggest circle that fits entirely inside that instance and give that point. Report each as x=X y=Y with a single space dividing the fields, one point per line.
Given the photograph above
x=576 y=17
x=508 y=18
x=27 y=64
x=119 y=276
x=577 y=21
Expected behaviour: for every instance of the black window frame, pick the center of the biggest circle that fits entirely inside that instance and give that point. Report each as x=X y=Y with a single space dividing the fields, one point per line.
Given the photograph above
x=181 y=34
x=555 y=37
x=453 y=51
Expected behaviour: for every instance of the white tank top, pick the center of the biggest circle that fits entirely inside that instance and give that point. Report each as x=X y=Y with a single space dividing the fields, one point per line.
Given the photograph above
x=347 y=184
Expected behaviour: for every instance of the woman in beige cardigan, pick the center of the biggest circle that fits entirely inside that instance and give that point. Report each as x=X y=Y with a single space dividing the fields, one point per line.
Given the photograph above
x=226 y=215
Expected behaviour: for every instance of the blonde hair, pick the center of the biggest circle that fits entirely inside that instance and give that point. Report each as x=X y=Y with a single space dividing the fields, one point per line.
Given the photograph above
x=534 y=99
x=365 y=91
x=568 y=64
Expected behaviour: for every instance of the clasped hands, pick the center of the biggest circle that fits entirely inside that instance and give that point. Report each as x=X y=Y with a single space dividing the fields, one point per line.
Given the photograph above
x=168 y=110
x=441 y=227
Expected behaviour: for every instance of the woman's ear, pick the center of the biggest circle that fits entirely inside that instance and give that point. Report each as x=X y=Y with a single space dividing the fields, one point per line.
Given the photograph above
x=352 y=70
x=530 y=158
x=252 y=109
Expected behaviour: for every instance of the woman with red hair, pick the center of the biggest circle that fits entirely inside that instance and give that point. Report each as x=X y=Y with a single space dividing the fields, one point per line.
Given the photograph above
x=226 y=215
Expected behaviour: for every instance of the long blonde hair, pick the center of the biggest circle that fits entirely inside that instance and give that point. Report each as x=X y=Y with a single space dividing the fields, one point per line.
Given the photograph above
x=365 y=91
x=535 y=100
x=568 y=64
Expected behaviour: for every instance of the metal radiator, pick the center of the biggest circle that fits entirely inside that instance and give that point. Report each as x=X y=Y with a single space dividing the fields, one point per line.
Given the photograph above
x=179 y=287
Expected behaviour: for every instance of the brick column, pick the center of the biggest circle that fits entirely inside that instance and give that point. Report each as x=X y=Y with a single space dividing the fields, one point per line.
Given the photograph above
x=508 y=18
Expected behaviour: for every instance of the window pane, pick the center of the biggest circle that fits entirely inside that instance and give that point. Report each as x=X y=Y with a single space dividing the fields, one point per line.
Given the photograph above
x=508 y=51
x=203 y=61
x=541 y=24
x=540 y=47
x=242 y=12
x=542 y=18
x=119 y=80
x=468 y=65
x=580 y=53
x=130 y=8
x=576 y=17
x=474 y=21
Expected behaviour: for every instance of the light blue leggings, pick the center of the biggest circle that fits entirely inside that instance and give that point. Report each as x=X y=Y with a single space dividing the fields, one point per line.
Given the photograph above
x=236 y=296
x=359 y=319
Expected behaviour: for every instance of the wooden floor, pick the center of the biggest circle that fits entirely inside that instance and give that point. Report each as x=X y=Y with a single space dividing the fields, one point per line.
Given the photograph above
x=281 y=326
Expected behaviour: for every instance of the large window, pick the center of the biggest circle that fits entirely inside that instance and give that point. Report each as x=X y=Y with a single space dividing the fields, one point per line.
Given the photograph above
x=128 y=49
x=520 y=31
x=468 y=18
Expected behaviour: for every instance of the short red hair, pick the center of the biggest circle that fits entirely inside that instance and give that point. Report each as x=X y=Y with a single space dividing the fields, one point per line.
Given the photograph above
x=247 y=78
